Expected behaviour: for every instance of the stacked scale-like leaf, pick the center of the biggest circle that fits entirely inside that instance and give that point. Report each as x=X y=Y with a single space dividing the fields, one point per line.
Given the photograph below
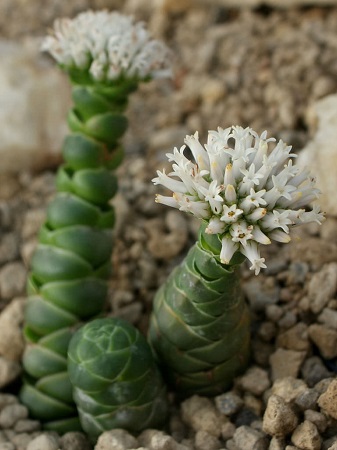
x=115 y=378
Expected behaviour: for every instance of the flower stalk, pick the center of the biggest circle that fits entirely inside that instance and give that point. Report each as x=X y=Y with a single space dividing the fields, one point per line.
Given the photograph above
x=106 y=56
x=246 y=194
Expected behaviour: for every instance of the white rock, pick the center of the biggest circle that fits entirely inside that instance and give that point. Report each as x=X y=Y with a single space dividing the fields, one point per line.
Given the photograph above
x=117 y=439
x=44 y=442
x=9 y=370
x=34 y=100
x=11 y=339
x=320 y=155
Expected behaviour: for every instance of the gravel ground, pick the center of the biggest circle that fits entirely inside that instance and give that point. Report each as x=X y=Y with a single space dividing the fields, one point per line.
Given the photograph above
x=261 y=68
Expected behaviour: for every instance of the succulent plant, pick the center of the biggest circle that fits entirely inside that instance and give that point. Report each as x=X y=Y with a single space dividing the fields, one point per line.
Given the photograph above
x=106 y=55
x=245 y=195
x=115 y=378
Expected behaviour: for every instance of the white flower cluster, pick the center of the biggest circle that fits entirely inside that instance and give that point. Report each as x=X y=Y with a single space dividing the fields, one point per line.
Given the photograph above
x=246 y=193
x=108 y=45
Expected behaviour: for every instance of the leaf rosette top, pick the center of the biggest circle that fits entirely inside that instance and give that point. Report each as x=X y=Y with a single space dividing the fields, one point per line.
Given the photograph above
x=108 y=46
x=247 y=192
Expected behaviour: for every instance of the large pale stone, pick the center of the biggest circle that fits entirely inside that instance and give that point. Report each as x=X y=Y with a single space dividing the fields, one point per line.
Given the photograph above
x=34 y=100
x=320 y=155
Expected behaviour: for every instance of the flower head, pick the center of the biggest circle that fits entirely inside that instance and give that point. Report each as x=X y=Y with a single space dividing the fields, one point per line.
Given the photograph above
x=246 y=192
x=107 y=45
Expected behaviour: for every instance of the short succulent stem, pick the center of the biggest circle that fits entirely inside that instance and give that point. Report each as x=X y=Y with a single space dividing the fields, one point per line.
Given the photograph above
x=200 y=328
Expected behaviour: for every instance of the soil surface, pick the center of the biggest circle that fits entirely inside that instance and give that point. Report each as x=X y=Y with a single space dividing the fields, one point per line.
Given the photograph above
x=261 y=68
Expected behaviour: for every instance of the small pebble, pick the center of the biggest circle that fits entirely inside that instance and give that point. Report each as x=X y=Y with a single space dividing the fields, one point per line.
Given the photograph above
x=201 y=414
x=116 y=440
x=255 y=381
x=229 y=403
x=44 y=442
x=206 y=441
x=328 y=400
x=307 y=399
x=289 y=388
x=74 y=441
x=317 y=418
x=11 y=414
x=306 y=436
x=247 y=438
x=326 y=340
x=279 y=418
x=313 y=371
x=285 y=363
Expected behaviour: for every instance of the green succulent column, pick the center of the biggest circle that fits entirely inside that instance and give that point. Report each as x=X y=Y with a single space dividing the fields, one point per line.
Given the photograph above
x=116 y=381
x=245 y=194
x=200 y=325
x=105 y=55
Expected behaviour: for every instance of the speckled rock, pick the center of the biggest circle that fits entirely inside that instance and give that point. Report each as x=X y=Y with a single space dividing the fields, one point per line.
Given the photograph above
x=201 y=414
x=11 y=339
x=116 y=440
x=328 y=400
x=279 y=418
x=306 y=436
x=326 y=340
x=246 y=437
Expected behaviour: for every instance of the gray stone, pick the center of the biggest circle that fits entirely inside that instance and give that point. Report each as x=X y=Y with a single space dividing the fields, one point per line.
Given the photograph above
x=260 y=295
x=322 y=287
x=246 y=437
x=307 y=399
x=44 y=442
x=279 y=418
x=313 y=371
x=228 y=403
x=317 y=418
x=306 y=436
x=117 y=439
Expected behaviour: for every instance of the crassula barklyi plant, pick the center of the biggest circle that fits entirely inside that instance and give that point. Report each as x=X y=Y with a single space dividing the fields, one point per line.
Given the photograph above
x=246 y=194
x=106 y=55
x=116 y=381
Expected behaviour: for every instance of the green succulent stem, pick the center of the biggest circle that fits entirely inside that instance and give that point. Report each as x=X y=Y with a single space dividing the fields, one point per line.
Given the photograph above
x=71 y=264
x=200 y=325
x=115 y=378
